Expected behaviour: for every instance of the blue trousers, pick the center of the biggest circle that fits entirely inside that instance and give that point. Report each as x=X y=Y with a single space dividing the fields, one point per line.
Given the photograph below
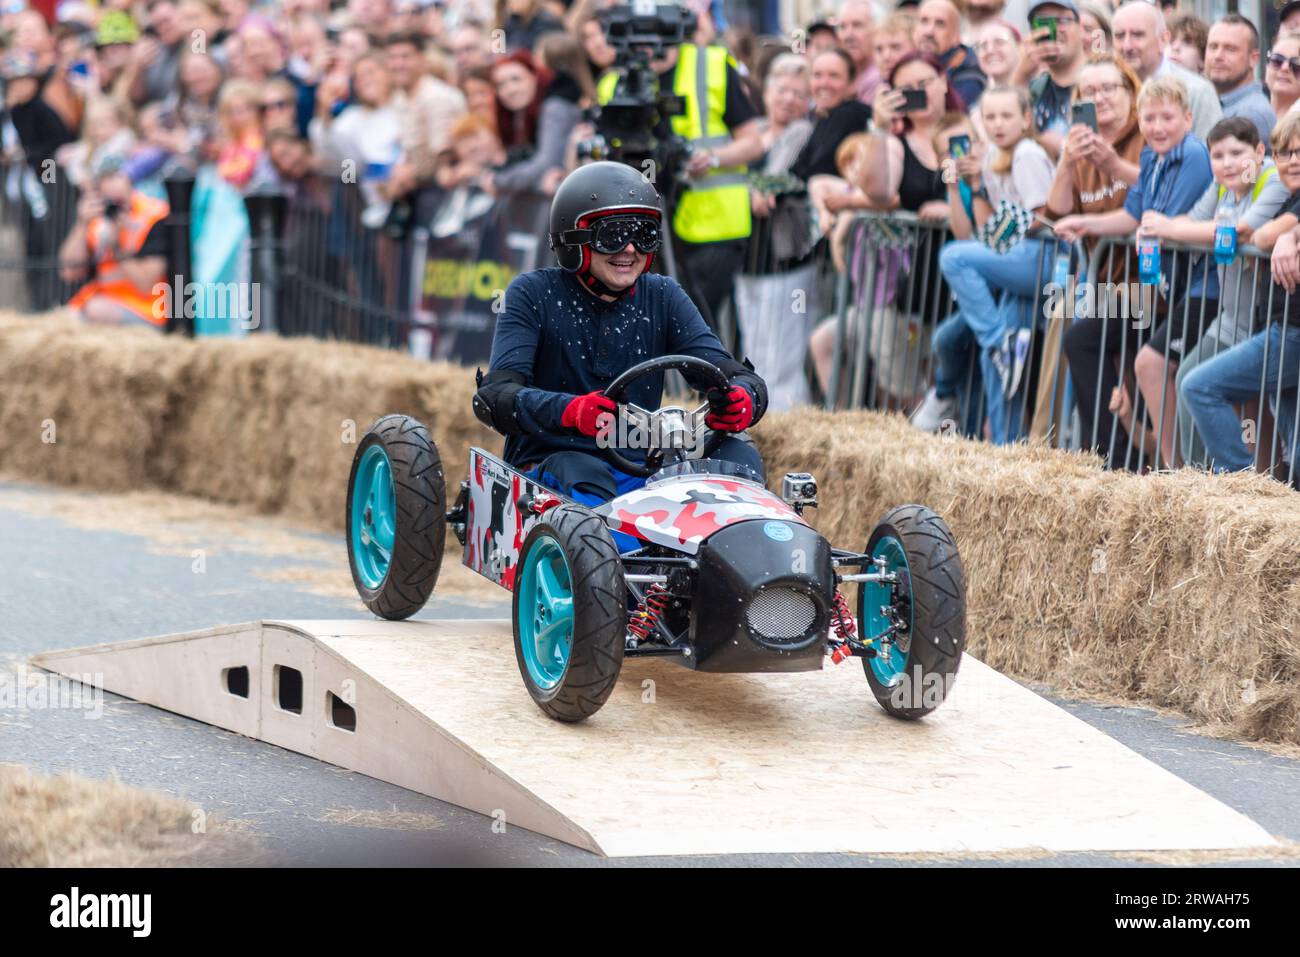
x=1210 y=390
x=995 y=293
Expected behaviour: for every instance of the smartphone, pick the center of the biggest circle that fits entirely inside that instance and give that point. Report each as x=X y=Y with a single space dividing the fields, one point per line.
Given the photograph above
x=1045 y=23
x=1084 y=113
x=913 y=101
x=959 y=146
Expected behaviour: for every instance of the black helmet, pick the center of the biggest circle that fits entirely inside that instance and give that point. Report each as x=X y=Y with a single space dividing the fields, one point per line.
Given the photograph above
x=589 y=193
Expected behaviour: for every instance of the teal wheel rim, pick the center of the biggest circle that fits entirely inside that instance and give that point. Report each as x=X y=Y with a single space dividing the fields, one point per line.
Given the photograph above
x=545 y=613
x=876 y=596
x=374 y=517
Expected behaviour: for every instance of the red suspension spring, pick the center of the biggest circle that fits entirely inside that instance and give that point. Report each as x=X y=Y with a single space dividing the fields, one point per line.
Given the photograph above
x=843 y=619
x=649 y=611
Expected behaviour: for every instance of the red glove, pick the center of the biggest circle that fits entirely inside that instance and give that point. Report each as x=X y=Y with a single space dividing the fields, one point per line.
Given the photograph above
x=730 y=411
x=583 y=413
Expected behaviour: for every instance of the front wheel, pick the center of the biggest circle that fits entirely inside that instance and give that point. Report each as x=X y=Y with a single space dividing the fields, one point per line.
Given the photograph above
x=570 y=613
x=917 y=622
x=397 y=518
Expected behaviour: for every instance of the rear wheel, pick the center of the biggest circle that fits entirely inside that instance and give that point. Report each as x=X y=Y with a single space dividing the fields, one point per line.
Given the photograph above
x=919 y=621
x=396 y=519
x=570 y=613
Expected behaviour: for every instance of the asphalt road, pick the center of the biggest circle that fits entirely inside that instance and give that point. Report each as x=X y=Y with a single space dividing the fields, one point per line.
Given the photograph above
x=66 y=584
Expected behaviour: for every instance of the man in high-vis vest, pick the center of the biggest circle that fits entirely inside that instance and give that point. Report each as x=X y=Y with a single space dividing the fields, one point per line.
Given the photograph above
x=119 y=240
x=711 y=220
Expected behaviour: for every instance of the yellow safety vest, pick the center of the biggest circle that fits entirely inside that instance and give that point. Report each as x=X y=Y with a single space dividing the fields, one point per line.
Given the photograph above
x=713 y=207
x=1258 y=188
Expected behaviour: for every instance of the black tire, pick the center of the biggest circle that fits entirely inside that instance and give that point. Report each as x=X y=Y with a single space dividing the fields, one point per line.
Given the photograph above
x=935 y=588
x=420 y=496
x=600 y=613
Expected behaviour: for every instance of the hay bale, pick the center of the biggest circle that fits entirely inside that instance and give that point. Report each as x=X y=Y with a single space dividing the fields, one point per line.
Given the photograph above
x=264 y=421
x=1177 y=589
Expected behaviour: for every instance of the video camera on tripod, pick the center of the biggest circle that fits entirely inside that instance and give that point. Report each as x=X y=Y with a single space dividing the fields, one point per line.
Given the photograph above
x=626 y=124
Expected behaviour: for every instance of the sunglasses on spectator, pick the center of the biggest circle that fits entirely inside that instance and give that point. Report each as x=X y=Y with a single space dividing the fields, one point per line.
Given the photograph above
x=1277 y=61
x=1286 y=156
x=610 y=236
x=276 y=105
x=1108 y=89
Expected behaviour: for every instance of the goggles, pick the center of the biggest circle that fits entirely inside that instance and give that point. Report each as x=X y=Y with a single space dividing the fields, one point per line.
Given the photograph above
x=612 y=234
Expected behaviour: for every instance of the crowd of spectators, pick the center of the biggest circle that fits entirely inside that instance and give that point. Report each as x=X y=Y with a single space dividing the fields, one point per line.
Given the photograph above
x=1052 y=122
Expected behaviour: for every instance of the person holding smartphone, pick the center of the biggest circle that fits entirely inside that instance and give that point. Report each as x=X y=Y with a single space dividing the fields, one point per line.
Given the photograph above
x=1057 y=40
x=1175 y=172
x=900 y=169
x=993 y=289
x=1099 y=165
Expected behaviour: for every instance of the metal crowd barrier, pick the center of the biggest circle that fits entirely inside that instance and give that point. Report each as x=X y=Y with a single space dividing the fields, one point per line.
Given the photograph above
x=1249 y=286
x=342 y=278
x=889 y=304
x=36 y=214
x=892 y=297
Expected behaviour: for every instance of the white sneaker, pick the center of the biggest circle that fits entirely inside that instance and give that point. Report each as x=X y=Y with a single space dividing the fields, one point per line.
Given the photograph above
x=934 y=412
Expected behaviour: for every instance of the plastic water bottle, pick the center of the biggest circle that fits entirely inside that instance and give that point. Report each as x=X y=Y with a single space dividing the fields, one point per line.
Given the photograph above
x=1149 y=260
x=34 y=194
x=1225 y=232
x=1061 y=269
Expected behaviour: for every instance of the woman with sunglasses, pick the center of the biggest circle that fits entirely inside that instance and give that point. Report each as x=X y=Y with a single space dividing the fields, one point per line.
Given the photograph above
x=566 y=333
x=279 y=105
x=1098 y=166
x=1282 y=73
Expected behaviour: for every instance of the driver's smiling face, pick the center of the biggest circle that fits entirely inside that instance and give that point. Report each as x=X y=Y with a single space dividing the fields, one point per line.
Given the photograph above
x=618 y=270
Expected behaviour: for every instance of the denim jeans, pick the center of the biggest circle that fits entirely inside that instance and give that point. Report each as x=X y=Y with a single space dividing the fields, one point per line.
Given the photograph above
x=952 y=344
x=1211 y=388
x=977 y=275
x=1190 y=445
x=1005 y=413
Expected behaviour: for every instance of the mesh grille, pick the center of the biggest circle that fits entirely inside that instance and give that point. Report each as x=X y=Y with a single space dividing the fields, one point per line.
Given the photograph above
x=781 y=613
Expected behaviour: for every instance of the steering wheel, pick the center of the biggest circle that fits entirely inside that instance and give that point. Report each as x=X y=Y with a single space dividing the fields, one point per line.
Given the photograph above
x=646 y=420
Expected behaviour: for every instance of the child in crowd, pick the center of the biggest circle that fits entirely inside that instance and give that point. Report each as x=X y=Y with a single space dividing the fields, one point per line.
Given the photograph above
x=475 y=151
x=1006 y=181
x=835 y=199
x=1188 y=36
x=106 y=131
x=1174 y=173
x=1247 y=189
x=240 y=141
x=1268 y=361
x=893 y=40
x=849 y=160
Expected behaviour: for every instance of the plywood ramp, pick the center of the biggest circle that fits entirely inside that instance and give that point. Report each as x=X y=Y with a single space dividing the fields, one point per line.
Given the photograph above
x=676 y=762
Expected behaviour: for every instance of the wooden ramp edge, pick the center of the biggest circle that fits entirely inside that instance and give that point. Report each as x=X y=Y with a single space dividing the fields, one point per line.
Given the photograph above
x=191 y=674
x=676 y=762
